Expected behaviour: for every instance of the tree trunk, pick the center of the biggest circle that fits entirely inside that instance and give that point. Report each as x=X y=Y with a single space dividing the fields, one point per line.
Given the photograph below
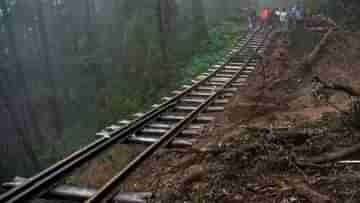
x=88 y=21
x=22 y=123
x=200 y=30
x=166 y=15
x=16 y=121
x=54 y=103
x=89 y=25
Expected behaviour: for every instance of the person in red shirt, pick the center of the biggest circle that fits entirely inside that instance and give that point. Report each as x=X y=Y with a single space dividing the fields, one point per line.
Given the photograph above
x=265 y=15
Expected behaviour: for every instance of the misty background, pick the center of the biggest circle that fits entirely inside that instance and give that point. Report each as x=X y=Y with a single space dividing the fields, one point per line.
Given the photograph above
x=70 y=67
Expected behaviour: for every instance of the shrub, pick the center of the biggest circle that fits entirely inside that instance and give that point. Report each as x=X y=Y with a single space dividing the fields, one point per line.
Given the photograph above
x=355 y=113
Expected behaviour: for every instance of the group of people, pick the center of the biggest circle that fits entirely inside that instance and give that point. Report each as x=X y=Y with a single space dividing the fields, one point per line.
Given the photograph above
x=290 y=18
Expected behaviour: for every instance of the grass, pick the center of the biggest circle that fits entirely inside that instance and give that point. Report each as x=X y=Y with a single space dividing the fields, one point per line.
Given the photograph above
x=213 y=49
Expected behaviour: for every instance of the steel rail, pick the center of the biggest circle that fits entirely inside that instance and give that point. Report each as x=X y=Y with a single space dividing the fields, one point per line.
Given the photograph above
x=102 y=193
x=51 y=175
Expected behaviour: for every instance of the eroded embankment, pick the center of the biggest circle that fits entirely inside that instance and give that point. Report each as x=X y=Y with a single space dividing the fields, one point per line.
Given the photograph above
x=269 y=144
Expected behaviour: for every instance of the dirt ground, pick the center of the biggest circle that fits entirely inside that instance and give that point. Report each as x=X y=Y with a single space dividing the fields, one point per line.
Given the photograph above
x=269 y=145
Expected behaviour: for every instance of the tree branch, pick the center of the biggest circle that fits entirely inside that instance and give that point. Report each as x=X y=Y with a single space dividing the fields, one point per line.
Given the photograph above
x=333 y=156
x=338 y=87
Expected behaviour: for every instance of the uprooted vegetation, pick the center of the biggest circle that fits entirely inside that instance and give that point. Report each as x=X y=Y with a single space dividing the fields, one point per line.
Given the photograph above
x=300 y=132
x=281 y=140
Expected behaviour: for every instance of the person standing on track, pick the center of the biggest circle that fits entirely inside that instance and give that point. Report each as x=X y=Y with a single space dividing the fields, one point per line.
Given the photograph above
x=294 y=20
x=276 y=14
x=284 y=21
x=265 y=14
x=252 y=18
x=272 y=16
x=300 y=15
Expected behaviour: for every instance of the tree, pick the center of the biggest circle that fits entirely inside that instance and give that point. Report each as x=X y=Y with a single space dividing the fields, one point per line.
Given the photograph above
x=20 y=119
x=200 y=30
x=167 y=20
x=48 y=66
x=89 y=24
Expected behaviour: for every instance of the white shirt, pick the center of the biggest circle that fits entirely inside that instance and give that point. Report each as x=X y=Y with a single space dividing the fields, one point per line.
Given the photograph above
x=283 y=16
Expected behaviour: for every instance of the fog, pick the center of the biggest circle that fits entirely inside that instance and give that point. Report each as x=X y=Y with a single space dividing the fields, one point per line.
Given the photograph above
x=69 y=67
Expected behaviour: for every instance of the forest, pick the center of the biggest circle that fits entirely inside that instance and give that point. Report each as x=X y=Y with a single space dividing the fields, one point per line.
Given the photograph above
x=67 y=68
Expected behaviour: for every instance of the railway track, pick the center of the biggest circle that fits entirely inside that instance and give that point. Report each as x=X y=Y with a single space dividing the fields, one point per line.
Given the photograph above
x=179 y=116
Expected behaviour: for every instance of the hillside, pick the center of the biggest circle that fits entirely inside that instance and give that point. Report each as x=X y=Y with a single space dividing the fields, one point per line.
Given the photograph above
x=273 y=144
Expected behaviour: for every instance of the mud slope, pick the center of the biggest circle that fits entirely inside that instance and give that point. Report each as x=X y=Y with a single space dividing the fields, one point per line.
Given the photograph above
x=264 y=148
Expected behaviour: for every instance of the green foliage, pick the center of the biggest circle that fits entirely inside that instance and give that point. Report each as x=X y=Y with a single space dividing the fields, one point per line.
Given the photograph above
x=109 y=64
x=212 y=50
x=117 y=96
x=351 y=23
x=355 y=114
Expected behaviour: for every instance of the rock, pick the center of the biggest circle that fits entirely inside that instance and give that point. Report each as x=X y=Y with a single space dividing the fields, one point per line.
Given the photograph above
x=132 y=197
x=195 y=174
x=234 y=199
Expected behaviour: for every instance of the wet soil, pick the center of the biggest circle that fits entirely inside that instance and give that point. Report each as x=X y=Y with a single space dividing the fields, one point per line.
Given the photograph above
x=260 y=149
